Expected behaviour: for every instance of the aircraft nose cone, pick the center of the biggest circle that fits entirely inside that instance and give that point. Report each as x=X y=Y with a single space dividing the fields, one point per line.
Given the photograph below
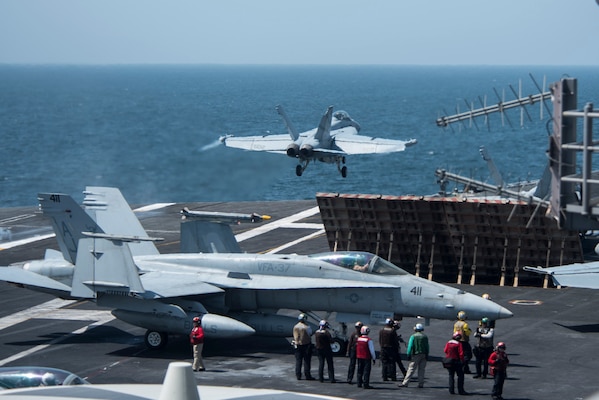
x=476 y=307
x=505 y=313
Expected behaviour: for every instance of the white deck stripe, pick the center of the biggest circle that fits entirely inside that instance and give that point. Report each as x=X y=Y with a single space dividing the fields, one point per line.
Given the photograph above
x=52 y=310
x=16 y=243
x=39 y=311
x=22 y=242
x=277 y=224
x=293 y=243
x=57 y=340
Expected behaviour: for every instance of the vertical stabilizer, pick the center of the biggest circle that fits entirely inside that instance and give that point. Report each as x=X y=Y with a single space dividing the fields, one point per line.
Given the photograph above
x=105 y=265
x=68 y=221
x=207 y=237
x=323 y=134
x=112 y=212
x=290 y=128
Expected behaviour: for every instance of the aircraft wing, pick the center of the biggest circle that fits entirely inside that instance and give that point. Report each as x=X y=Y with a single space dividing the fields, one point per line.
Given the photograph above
x=269 y=143
x=170 y=284
x=580 y=275
x=358 y=144
x=28 y=278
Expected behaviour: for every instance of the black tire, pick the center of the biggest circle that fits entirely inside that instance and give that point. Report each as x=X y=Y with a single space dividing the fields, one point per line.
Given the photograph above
x=298 y=170
x=156 y=340
x=344 y=171
x=339 y=346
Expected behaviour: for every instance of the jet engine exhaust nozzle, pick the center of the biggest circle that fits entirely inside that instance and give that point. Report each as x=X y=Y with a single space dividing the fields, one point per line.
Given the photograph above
x=306 y=151
x=293 y=150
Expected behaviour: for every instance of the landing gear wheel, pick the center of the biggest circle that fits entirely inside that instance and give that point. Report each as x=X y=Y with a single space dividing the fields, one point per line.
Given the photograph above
x=299 y=170
x=338 y=346
x=344 y=171
x=156 y=340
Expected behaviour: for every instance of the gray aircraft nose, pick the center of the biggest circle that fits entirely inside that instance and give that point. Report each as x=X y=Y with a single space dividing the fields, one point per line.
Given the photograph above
x=505 y=313
x=476 y=307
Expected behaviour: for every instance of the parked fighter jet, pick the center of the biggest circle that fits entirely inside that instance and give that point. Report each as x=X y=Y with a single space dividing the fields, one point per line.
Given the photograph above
x=335 y=137
x=579 y=275
x=109 y=258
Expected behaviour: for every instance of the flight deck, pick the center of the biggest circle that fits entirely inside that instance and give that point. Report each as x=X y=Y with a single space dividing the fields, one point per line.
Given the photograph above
x=550 y=340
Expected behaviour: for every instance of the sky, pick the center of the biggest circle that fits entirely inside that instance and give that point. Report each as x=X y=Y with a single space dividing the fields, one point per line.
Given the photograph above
x=355 y=32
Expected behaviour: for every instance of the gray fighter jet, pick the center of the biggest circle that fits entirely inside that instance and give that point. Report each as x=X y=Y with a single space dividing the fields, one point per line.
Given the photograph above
x=335 y=137
x=107 y=257
x=579 y=275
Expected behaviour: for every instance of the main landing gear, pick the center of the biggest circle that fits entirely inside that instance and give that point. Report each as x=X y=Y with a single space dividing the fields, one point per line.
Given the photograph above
x=156 y=340
x=300 y=168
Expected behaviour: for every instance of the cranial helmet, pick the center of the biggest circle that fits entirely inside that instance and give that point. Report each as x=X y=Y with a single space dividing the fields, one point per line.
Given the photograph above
x=485 y=320
x=302 y=317
x=501 y=345
x=418 y=327
x=196 y=319
x=365 y=330
x=389 y=321
x=324 y=323
x=462 y=315
x=457 y=336
x=359 y=324
x=486 y=296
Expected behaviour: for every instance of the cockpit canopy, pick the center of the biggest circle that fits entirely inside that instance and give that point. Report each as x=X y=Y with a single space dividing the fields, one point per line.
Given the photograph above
x=361 y=261
x=342 y=115
x=342 y=120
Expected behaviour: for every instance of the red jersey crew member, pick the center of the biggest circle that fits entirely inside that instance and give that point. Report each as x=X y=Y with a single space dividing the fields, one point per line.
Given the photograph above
x=196 y=337
x=498 y=361
x=365 y=353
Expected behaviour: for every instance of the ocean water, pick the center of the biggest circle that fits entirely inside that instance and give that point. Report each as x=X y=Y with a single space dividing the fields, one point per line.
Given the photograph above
x=152 y=130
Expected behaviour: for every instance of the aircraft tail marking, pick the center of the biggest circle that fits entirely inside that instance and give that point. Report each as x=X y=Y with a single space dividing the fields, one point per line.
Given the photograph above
x=111 y=211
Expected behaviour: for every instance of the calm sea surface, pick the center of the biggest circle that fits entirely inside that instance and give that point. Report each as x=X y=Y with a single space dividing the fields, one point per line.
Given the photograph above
x=152 y=130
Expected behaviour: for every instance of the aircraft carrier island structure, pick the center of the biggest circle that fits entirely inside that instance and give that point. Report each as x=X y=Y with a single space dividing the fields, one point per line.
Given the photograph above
x=451 y=239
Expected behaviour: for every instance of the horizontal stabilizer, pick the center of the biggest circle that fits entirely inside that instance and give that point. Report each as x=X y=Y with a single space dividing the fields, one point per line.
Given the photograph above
x=122 y=238
x=28 y=278
x=104 y=265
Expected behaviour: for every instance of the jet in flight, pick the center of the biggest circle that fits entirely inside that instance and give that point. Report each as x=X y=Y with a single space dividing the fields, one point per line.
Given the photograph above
x=107 y=257
x=335 y=138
